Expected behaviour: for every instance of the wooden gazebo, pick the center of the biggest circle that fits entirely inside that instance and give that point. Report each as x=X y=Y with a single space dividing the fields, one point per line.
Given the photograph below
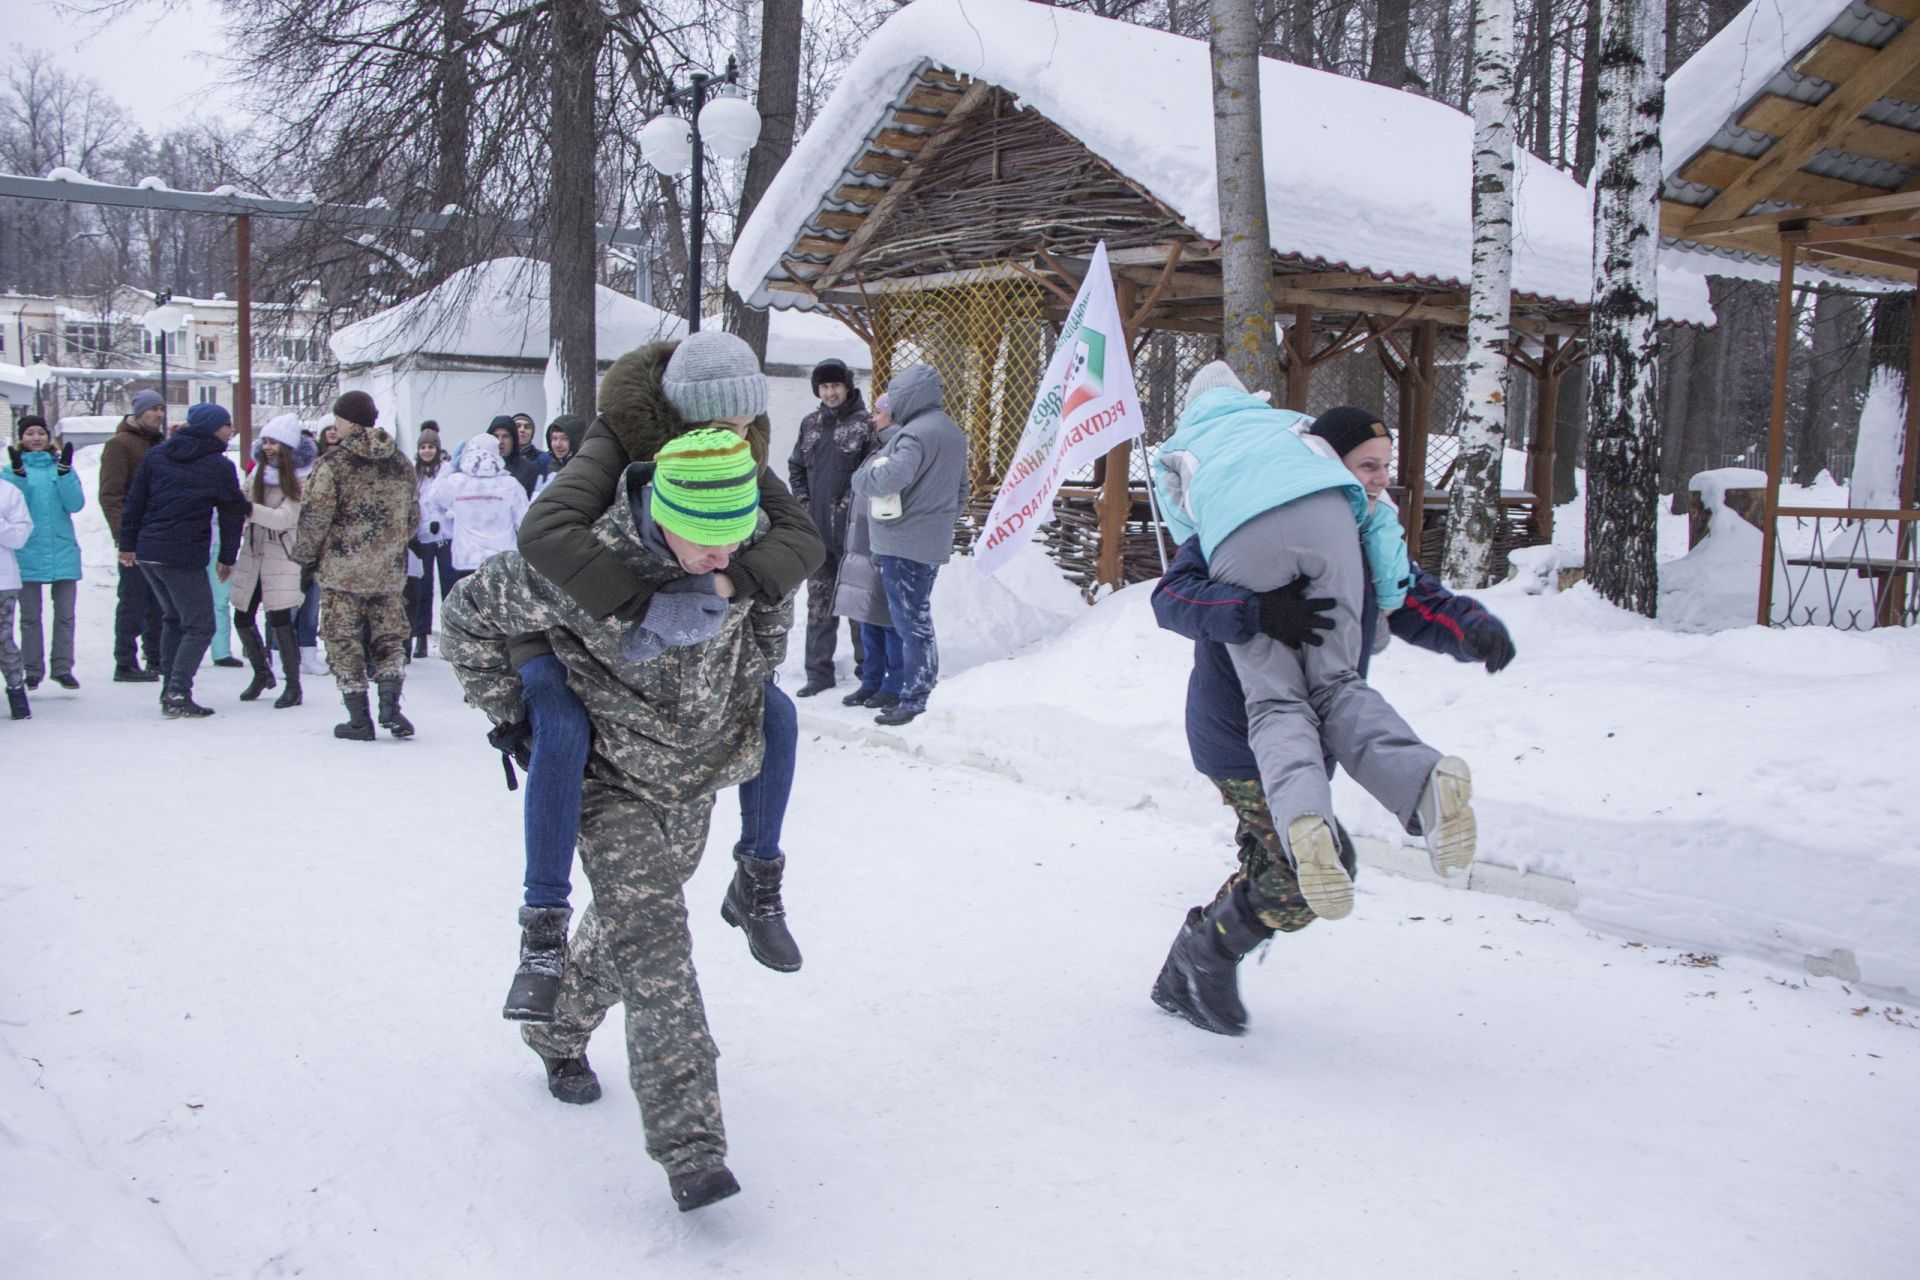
x=947 y=200
x=1812 y=159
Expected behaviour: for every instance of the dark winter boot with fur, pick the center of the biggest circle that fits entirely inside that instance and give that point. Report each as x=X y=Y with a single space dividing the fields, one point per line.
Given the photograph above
x=286 y=641
x=1200 y=980
x=698 y=1190
x=390 y=718
x=256 y=650
x=359 y=725
x=572 y=1080
x=543 y=958
x=753 y=904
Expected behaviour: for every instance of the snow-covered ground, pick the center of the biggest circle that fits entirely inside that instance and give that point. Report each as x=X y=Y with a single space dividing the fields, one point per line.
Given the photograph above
x=250 y=979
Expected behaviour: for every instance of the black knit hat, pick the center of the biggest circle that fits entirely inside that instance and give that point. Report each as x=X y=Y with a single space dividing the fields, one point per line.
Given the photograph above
x=356 y=407
x=832 y=370
x=1346 y=427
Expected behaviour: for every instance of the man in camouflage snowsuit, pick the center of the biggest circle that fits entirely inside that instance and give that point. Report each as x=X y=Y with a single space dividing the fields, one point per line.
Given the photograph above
x=669 y=731
x=362 y=504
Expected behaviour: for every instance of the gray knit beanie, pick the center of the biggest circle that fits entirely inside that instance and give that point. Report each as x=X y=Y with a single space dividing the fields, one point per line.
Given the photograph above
x=1211 y=376
x=714 y=375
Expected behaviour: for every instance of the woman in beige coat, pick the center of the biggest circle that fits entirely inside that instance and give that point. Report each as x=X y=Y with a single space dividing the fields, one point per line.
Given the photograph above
x=265 y=575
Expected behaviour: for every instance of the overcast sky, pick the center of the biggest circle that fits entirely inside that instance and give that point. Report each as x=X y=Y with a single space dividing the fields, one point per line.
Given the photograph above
x=160 y=63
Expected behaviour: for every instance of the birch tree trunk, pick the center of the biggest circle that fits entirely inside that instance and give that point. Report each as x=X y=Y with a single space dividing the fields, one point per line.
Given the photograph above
x=573 y=253
x=1246 y=247
x=1623 y=436
x=1473 y=503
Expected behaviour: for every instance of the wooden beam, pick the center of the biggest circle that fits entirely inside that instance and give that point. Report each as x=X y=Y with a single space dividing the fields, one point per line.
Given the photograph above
x=1837 y=61
x=1777 y=422
x=922 y=119
x=1698 y=228
x=835 y=220
x=899 y=140
x=852 y=193
x=1865 y=231
x=1821 y=127
x=928 y=98
x=1378 y=304
x=940 y=75
x=909 y=176
x=1780 y=116
x=1330 y=280
x=817 y=246
x=1728 y=172
x=1851 y=254
x=882 y=164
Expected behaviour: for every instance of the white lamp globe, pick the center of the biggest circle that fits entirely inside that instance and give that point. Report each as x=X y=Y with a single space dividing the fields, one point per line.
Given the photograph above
x=667 y=144
x=164 y=319
x=729 y=125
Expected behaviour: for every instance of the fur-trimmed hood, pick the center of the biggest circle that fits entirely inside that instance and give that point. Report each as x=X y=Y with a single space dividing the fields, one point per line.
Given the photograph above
x=635 y=406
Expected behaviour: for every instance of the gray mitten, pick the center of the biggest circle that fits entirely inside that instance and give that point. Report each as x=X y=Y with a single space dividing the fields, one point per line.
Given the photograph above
x=684 y=612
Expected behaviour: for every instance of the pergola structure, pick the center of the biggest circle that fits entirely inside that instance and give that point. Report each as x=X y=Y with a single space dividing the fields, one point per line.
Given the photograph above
x=987 y=149
x=1812 y=159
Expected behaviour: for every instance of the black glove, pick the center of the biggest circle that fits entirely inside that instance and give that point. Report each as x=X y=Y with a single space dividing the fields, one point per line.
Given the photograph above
x=514 y=742
x=13 y=460
x=1293 y=618
x=306 y=578
x=433 y=526
x=1487 y=641
x=66 y=457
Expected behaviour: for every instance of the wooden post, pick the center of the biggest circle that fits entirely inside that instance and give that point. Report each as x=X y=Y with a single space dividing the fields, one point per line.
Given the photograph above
x=1299 y=359
x=1116 y=489
x=1544 y=414
x=1413 y=448
x=1777 y=432
x=1904 y=544
x=243 y=289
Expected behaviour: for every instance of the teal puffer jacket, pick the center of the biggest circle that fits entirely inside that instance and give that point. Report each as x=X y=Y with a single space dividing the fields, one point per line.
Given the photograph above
x=52 y=554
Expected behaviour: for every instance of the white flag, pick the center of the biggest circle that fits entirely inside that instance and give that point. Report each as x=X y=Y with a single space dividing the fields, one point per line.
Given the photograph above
x=1085 y=406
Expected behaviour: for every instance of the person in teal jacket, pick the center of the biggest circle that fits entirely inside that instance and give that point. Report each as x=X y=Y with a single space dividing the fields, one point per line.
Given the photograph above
x=51 y=558
x=1276 y=508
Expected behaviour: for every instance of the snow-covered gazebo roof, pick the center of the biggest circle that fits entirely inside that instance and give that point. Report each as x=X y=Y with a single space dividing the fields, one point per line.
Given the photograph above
x=1363 y=181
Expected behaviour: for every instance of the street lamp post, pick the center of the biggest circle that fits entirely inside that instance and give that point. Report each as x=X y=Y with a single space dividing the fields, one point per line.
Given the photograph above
x=723 y=121
x=163 y=320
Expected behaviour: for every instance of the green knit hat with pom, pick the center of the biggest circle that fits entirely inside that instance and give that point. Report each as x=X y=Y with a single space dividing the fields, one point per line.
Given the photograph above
x=706 y=487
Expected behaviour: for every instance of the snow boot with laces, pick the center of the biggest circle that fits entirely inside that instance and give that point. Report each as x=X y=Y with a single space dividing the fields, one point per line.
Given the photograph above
x=359 y=725
x=543 y=959
x=753 y=905
x=390 y=718
x=699 y=1189
x=1444 y=817
x=1200 y=980
x=572 y=1080
x=256 y=650
x=286 y=640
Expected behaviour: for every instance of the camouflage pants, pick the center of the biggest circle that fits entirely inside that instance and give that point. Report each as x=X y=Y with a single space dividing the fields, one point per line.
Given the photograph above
x=1273 y=890
x=632 y=946
x=365 y=635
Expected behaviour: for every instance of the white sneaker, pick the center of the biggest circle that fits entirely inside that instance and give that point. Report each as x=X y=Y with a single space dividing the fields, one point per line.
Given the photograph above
x=1445 y=812
x=1324 y=881
x=310 y=664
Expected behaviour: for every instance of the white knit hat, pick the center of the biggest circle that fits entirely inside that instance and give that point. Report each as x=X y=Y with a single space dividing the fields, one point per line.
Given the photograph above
x=284 y=430
x=1213 y=375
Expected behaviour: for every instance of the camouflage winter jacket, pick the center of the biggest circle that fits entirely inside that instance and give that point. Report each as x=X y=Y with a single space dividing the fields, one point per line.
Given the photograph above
x=362 y=505
x=667 y=730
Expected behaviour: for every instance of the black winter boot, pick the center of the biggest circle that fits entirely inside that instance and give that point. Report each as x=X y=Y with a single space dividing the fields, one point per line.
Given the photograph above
x=1200 y=980
x=359 y=725
x=419 y=646
x=181 y=706
x=17 y=708
x=256 y=651
x=286 y=642
x=390 y=718
x=753 y=904
x=543 y=958
x=572 y=1080
x=698 y=1190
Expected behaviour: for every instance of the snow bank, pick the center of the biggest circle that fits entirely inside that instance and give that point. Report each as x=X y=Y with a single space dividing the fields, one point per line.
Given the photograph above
x=1358 y=176
x=1879 y=442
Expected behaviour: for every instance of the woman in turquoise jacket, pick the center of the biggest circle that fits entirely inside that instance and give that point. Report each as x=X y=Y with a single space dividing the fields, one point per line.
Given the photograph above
x=51 y=557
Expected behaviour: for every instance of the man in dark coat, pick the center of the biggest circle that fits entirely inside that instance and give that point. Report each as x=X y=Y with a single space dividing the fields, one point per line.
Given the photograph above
x=137 y=618
x=165 y=529
x=834 y=440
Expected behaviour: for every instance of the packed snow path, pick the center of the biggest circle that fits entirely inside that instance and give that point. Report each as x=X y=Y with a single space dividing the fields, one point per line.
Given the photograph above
x=259 y=971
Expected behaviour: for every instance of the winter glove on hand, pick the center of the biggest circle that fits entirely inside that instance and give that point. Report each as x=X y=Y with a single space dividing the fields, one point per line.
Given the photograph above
x=683 y=612
x=1289 y=615
x=433 y=526
x=66 y=457
x=306 y=579
x=515 y=740
x=13 y=460
x=1487 y=641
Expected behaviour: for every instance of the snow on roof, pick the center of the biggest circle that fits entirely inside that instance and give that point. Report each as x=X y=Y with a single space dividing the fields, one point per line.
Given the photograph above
x=496 y=310
x=804 y=339
x=1706 y=92
x=1359 y=176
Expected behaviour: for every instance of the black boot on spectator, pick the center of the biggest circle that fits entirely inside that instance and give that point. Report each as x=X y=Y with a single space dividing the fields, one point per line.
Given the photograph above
x=390 y=718
x=256 y=650
x=286 y=641
x=359 y=725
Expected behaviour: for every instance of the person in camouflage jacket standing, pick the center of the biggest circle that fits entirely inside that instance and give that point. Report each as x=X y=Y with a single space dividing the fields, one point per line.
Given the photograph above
x=675 y=702
x=362 y=506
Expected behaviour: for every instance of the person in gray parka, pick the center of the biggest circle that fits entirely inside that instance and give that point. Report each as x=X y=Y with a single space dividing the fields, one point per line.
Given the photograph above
x=916 y=484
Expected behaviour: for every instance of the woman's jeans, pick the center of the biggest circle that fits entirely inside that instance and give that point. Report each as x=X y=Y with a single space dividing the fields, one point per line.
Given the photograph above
x=41 y=658
x=186 y=628
x=432 y=555
x=909 y=587
x=885 y=668
x=562 y=734
x=307 y=620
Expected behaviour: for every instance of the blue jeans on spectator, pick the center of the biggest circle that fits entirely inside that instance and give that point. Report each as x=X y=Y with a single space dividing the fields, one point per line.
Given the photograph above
x=186 y=629
x=307 y=621
x=884 y=668
x=763 y=800
x=909 y=587
x=561 y=736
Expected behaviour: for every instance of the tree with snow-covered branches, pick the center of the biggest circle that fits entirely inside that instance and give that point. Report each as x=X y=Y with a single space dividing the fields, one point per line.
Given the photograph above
x=1246 y=247
x=1473 y=505
x=1623 y=433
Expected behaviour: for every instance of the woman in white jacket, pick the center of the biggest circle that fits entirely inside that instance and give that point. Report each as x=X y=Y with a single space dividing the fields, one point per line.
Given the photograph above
x=16 y=526
x=265 y=575
x=483 y=502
